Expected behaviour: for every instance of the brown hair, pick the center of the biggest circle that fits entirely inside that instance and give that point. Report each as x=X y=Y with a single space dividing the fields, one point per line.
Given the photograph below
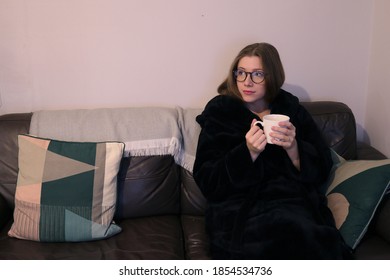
x=272 y=65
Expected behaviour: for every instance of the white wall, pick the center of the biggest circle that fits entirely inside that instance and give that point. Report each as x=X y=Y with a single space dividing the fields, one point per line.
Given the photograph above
x=105 y=53
x=377 y=118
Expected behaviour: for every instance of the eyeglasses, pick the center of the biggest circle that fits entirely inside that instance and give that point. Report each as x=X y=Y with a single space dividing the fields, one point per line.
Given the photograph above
x=257 y=76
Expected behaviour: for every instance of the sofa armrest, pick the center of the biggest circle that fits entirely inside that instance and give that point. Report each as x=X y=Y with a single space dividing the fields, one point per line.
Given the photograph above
x=5 y=212
x=367 y=152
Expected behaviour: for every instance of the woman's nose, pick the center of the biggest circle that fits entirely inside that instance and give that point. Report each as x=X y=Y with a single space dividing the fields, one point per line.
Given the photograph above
x=248 y=80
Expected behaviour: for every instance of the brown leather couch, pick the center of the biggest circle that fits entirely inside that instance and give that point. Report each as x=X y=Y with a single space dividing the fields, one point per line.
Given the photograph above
x=160 y=208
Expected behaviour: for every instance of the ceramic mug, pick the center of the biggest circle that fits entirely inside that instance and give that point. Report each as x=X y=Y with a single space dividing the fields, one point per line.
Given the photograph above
x=269 y=121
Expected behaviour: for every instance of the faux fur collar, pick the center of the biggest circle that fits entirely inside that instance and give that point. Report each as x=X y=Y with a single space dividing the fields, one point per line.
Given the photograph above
x=226 y=108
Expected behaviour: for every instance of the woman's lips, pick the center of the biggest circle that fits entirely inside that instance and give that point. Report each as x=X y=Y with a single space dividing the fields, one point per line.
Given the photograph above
x=248 y=92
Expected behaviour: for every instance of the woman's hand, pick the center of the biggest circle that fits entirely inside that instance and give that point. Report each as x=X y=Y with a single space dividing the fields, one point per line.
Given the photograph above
x=284 y=135
x=255 y=140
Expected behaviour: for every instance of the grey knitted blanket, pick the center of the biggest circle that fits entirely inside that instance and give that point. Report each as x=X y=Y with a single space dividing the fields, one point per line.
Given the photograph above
x=145 y=130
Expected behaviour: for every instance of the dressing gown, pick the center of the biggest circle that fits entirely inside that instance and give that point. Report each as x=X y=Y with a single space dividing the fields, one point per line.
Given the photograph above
x=265 y=209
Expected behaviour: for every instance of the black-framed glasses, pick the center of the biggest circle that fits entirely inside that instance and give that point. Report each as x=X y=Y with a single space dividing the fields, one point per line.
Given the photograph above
x=256 y=76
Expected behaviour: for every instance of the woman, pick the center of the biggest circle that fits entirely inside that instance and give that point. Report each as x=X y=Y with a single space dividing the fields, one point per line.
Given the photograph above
x=263 y=199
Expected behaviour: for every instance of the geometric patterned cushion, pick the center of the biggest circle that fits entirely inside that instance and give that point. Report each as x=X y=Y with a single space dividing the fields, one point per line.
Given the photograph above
x=354 y=192
x=66 y=191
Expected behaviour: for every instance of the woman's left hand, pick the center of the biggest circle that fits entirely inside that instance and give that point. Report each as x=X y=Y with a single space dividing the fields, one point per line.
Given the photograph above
x=284 y=135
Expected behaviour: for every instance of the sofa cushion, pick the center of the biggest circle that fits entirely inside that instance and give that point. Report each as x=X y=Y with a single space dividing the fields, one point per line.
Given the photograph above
x=355 y=190
x=193 y=201
x=148 y=186
x=196 y=240
x=66 y=191
x=151 y=238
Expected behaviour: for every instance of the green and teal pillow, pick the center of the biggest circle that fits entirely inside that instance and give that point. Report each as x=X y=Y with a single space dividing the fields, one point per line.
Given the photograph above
x=354 y=192
x=66 y=191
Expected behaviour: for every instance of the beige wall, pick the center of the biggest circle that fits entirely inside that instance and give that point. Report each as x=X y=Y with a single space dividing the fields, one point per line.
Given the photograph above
x=105 y=53
x=377 y=119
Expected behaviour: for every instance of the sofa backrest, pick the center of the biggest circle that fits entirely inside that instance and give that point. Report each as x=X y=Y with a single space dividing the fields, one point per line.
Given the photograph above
x=337 y=124
x=11 y=125
x=156 y=184
x=148 y=186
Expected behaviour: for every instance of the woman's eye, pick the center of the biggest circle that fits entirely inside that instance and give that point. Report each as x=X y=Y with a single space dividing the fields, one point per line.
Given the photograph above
x=258 y=74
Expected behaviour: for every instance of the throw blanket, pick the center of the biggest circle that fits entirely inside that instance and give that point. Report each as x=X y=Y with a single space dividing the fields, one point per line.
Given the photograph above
x=145 y=130
x=190 y=130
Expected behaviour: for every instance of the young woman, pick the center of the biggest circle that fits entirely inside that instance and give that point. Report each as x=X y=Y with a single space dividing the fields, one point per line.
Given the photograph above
x=264 y=200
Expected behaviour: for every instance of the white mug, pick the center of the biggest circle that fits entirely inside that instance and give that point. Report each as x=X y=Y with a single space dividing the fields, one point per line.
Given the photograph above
x=269 y=121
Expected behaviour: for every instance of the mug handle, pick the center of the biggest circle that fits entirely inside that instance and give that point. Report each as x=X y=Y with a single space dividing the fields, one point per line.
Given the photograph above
x=260 y=122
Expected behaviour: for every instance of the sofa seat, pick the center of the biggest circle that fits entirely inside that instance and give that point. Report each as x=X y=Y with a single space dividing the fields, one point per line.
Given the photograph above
x=373 y=247
x=157 y=237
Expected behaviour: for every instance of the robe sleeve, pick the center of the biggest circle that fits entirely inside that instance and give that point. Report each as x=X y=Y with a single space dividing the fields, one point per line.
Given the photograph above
x=221 y=172
x=223 y=165
x=315 y=157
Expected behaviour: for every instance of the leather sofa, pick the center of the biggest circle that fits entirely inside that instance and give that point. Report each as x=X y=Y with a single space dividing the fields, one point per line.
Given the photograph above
x=160 y=208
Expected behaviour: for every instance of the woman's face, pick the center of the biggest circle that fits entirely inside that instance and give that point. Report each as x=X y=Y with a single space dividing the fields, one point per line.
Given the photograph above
x=252 y=93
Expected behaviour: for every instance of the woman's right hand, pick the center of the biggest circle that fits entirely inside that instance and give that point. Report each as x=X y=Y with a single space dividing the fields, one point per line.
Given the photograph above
x=255 y=140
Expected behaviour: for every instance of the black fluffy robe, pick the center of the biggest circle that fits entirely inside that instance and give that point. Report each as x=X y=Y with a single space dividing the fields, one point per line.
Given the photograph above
x=265 y=209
